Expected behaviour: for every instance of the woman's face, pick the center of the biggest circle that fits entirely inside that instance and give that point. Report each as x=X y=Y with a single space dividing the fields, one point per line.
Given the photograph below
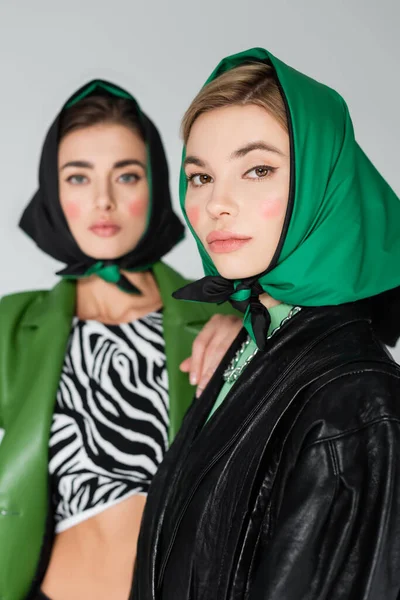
x=103 y=188
x=238 y=170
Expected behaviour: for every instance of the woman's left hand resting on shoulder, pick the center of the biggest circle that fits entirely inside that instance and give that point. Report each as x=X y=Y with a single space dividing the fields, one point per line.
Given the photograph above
x=209 y=348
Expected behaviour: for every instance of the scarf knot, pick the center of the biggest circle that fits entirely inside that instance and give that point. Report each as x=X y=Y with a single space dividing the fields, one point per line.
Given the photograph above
x=107 y=271
x=243 y=295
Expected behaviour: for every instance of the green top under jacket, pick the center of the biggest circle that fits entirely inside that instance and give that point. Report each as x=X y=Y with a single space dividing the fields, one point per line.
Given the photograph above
x=34 y=332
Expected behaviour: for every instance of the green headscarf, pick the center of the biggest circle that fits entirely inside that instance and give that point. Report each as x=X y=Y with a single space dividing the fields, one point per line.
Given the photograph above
x=341 y=240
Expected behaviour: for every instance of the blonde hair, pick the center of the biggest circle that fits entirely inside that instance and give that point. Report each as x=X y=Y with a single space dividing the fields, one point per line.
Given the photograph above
x=253 y=83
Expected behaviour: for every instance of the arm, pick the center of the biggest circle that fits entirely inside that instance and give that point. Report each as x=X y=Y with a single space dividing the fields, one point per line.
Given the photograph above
x=337 y=532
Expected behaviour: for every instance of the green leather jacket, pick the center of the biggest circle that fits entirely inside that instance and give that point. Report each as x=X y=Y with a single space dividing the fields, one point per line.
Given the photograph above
x=34 y=331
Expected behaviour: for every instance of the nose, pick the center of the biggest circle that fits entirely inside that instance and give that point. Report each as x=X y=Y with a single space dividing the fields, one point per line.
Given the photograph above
x=222 y=202
x=104 y=199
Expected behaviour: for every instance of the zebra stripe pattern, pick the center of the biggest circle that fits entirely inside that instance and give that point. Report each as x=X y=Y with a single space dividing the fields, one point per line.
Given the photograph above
x=110 y=425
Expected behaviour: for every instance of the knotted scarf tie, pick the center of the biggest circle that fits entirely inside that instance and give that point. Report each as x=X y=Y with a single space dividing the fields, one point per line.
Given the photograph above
x=106 y=270
x=243 y=295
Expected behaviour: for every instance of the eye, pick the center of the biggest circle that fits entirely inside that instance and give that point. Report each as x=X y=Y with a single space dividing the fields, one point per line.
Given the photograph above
x=198 y=179
x=259 y=172
x=77 y=179
x=129 y=178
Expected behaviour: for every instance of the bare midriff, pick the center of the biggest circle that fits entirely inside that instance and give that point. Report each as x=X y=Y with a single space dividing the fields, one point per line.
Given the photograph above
x=95 y=558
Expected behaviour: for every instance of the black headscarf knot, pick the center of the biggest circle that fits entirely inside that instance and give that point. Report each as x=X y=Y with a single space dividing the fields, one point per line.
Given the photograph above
x=244 y=297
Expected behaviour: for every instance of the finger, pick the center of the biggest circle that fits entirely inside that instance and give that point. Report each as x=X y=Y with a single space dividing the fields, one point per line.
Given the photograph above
x=199 y=391
x=204 y=381
x=185 y=365
x=218 y=346
x=217 y=349
x=214 y=355
x=199 y=348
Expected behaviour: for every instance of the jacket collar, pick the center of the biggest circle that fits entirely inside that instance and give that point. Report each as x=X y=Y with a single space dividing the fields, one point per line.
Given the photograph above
x=59 y=302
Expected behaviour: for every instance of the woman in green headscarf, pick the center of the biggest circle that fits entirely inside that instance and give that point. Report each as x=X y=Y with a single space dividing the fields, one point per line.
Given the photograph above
x=284 y=481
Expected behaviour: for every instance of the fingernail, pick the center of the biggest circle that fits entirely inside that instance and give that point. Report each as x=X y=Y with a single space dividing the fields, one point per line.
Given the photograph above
x=193 y=378
x=199 y=391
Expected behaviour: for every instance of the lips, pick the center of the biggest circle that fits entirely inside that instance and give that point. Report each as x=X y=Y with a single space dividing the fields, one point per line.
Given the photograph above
x=226 y=241
x=105 y=229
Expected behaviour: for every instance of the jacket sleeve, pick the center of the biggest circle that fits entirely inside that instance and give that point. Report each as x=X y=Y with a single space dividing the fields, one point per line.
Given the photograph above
x=336 y=534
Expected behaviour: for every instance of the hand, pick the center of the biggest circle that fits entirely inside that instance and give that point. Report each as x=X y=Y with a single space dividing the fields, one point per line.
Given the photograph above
x=208 y=349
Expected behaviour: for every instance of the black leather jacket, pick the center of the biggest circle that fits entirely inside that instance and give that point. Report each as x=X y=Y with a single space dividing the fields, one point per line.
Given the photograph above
x=292 y=490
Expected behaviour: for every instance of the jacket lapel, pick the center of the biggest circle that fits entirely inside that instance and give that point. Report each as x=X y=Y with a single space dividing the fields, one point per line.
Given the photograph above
x=35 y=359
x=33 y=374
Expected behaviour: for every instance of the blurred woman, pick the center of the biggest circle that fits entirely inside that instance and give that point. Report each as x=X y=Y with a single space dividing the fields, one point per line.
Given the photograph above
x=91 y=393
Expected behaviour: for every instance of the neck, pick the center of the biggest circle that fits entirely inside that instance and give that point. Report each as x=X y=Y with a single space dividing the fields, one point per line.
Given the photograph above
x=268 y=301
x=99 y=300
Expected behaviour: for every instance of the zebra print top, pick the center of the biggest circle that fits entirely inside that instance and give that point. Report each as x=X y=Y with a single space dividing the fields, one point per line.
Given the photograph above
x=110 y=425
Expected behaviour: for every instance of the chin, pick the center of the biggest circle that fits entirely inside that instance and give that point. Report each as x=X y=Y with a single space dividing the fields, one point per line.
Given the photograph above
x=235 y=269
x=106 y=251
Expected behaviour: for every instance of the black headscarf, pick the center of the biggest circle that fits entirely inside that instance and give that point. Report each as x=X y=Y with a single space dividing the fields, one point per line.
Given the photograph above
x=44 y=221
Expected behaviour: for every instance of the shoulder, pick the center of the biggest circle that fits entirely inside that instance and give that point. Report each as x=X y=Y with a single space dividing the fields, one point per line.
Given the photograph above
x=348 y=427
x=14 y=306
x=36 y=306
x=351 y=399
x=167 y=277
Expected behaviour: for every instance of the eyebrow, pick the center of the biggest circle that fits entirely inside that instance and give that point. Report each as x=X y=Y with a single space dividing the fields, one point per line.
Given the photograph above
x=129 y=162
x=256 y=146
x=194 y=160
x=83 y=164
x=78 y=163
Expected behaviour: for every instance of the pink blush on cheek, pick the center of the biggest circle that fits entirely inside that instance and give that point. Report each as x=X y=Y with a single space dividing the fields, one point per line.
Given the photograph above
x=72 y=211
x=193 y=214
x=138 y=207
x=272 y=208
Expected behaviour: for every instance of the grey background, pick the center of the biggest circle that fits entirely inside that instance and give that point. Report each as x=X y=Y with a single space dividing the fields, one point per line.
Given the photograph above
x=162 y=52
